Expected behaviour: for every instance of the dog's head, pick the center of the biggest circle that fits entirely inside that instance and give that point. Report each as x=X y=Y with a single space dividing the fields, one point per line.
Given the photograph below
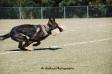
x=53 y=24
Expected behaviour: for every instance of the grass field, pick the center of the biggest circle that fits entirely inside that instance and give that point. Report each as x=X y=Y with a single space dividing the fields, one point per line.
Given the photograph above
x=85 y=45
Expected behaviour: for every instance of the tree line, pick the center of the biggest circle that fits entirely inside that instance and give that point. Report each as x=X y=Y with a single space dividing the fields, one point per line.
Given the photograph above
x=52 y=3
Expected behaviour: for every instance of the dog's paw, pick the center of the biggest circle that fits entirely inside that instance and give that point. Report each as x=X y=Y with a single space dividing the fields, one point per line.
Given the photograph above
x=28 y=49
x=35 y=44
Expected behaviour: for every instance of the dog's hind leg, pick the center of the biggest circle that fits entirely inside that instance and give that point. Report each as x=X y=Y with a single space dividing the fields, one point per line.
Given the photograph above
x=20 y=45
x=26 y=45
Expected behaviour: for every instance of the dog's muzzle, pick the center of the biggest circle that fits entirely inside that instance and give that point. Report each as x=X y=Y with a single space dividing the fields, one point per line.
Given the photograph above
x=60 y=29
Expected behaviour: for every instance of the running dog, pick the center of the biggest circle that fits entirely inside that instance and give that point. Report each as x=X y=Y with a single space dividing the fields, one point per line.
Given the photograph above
x=27 y=34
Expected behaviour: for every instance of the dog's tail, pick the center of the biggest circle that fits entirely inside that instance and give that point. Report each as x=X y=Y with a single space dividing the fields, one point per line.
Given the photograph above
x=5 y=36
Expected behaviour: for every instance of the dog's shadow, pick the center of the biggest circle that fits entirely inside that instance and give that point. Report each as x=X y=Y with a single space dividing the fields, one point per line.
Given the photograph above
x=37 y=49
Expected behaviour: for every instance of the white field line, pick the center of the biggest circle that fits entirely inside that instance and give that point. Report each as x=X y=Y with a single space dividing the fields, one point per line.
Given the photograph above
x=69 y=44
x=67 y=31
x=8 y=52
x=84 y=42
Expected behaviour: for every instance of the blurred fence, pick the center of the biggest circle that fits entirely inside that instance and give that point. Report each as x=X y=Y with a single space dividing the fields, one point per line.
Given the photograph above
x=57 y=12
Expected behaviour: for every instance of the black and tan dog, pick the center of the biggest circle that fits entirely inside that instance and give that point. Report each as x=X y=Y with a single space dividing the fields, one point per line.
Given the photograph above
x=27 y=34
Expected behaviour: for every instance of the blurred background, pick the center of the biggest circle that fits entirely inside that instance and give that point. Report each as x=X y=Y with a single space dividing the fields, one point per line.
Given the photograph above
x=42 y=9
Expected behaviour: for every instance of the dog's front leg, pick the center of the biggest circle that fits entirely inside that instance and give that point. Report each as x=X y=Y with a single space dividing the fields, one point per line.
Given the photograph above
x=36 y=44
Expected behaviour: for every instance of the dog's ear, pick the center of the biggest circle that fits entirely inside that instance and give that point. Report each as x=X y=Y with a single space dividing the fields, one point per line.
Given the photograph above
x=53 y=19
x=49 y=18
